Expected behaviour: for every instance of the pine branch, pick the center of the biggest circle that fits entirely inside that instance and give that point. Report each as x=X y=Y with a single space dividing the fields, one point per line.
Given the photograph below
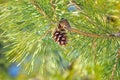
x=66 y=25
x=76 y=30
x=92 y=22
x=90 y=51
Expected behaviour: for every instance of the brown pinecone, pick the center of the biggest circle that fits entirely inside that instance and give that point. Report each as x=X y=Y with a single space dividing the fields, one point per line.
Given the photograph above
x=60 y=33
x=60 y=37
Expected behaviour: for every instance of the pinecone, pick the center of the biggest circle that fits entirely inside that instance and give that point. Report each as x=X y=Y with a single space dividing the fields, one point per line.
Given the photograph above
x=60 y=33
x=60 y=37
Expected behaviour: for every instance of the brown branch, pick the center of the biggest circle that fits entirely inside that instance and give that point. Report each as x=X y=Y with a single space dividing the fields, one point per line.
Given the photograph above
x=115 y=65
x=115 y=34
x=67 y=26
x=85 y=34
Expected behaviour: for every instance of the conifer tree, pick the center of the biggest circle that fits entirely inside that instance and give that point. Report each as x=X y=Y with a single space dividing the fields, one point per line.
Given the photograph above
x=62 y=39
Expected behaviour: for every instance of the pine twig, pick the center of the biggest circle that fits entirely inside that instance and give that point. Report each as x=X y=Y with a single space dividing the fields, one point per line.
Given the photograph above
x=52 y=4
x=38 y=8
x=94 y=45
x=41 y=11
x=115 y=65
x=113 y=71
x=74 y=3
x=45 y=34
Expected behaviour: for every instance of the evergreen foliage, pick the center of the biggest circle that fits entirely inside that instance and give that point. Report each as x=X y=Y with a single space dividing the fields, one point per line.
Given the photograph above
x=93 y=48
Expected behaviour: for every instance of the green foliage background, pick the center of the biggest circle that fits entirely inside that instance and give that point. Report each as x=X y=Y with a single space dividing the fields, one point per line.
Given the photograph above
x=26 y=36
